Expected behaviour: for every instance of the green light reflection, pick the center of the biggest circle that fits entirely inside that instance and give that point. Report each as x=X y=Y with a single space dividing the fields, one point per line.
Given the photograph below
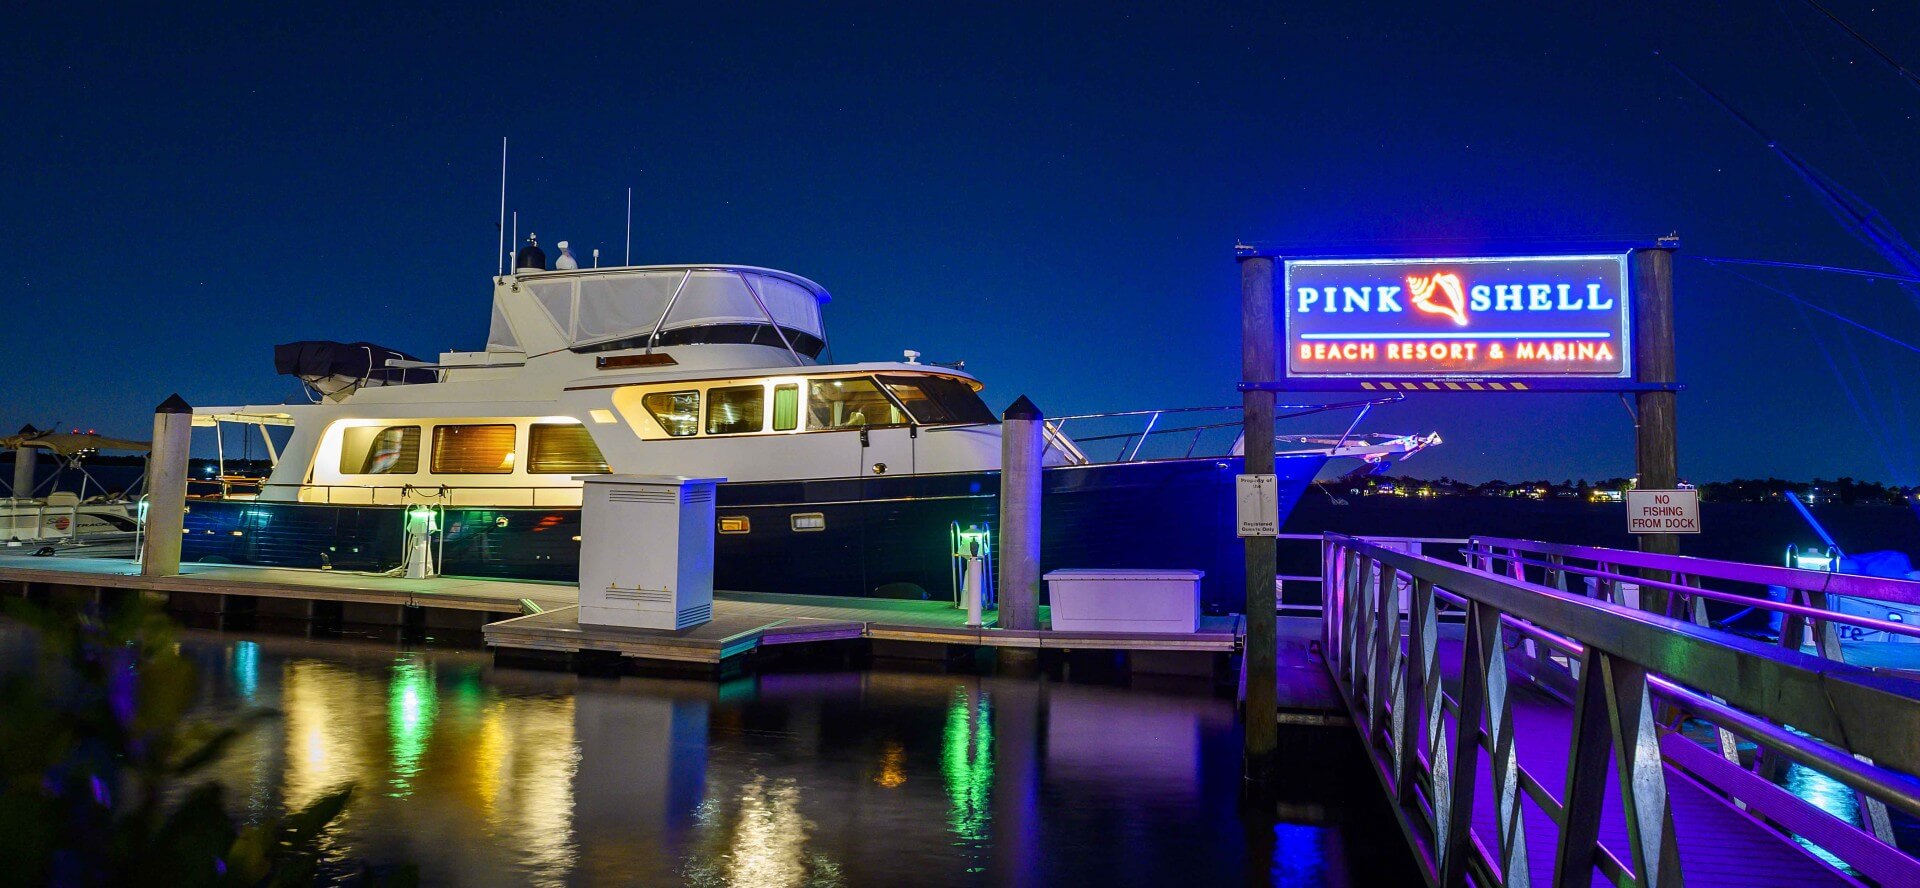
x=411 y=707
x=966 y=760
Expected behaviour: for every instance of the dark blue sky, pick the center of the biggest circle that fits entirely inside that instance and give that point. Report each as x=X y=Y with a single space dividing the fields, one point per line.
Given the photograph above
x=1050 y=193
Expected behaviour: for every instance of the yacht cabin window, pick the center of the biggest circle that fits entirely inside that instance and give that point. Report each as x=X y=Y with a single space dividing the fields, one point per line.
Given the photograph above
x=563 y=449
x=473 y=449
x=380 y=450
x=849 y=403
x=736 y=409
x=786 y=407
x=678 y=413
x=935 y=400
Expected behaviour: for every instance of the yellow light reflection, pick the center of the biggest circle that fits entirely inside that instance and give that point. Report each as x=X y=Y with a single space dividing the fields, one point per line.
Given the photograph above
x=893 y=765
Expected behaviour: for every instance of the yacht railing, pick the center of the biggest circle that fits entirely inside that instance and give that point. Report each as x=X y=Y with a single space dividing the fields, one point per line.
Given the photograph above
x=1187 y=432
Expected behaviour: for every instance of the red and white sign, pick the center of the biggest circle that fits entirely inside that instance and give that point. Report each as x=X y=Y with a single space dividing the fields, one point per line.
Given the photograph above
x=1663 y=511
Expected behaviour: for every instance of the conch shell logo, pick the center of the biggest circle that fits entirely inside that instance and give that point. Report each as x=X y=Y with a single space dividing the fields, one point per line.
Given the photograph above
x=1440 y=294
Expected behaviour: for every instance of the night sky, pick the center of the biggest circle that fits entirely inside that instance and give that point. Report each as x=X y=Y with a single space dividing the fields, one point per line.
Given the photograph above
x=1050 y=193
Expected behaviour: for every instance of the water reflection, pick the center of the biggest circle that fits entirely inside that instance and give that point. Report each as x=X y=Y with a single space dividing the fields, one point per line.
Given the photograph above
x=483 y=775
x=966 y=759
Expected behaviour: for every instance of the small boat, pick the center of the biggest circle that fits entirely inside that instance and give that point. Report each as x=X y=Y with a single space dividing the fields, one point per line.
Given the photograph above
x=841 y=478
x=62 y=517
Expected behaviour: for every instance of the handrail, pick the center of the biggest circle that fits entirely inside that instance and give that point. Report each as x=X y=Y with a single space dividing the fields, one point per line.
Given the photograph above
x=1815 y=695
x=1849 y=723
x=1883 y=588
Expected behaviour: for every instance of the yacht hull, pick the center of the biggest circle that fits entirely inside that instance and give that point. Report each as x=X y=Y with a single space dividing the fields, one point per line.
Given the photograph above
x=877 y=536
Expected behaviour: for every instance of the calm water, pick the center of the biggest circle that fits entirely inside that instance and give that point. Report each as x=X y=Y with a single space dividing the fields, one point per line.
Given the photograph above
x=485 y=775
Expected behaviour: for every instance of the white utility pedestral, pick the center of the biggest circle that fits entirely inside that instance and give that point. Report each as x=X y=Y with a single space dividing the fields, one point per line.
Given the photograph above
x=1125 y=600
x=646 y=551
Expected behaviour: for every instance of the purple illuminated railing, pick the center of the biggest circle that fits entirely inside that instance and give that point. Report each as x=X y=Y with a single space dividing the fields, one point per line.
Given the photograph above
x=1627 y=682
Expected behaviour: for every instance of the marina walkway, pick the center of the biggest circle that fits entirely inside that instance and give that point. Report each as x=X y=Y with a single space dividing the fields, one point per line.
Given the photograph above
x=1686 y=771
x=1721 y=845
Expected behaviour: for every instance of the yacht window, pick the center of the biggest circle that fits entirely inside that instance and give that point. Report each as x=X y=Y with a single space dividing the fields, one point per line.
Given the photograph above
x=380 y=450
x=736 y=409
x=786 y=407
x=563 y=449
x=473 y=449
x=849 y=403
x=678 y=413
x=937 y=399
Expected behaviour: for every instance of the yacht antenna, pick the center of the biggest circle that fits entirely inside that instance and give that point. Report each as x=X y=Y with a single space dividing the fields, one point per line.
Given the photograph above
x=516 y=234
x=629 y=225
x=500 y=257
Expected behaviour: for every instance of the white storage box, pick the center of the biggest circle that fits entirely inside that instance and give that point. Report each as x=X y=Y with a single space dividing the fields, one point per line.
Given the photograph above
x=1125 y=600
x=646 y=551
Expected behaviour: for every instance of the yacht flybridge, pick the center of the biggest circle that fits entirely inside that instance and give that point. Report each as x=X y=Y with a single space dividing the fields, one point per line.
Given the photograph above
x=841 y=478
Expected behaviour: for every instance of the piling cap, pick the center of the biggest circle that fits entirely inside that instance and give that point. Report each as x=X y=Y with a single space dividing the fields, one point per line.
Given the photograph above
x=1022 y=409
x=174 y=404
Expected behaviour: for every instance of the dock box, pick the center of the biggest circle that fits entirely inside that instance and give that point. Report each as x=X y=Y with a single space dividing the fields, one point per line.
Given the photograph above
x=646 y=551
x=1125 y=600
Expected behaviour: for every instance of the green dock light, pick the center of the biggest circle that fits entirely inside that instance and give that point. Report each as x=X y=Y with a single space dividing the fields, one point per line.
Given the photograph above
x=972 y=551
x=422 y=519
x=422 y=523
x=973 y=542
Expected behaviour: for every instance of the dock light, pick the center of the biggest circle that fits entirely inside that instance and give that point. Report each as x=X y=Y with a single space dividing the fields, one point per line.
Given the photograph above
x=973 y=542
x=973 y=545
x=422 y=523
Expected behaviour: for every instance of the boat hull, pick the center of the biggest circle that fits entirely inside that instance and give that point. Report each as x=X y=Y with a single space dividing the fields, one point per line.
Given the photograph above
x=872 y=537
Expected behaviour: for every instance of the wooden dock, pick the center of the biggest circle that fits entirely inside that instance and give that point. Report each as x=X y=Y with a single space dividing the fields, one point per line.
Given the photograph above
x=528 y=616
x=744 y=621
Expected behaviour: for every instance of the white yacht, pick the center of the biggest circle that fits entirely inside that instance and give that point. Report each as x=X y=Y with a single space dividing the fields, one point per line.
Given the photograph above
x=842 y=478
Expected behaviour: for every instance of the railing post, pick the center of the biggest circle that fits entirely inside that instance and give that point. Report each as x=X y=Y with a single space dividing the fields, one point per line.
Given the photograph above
x=1586 y=790
x=1357 y=580
x=1411 y=705
x=1490 y=668
x=1452 y=846
x=1369 y=652
x=1386 y=633
x=1642 y=774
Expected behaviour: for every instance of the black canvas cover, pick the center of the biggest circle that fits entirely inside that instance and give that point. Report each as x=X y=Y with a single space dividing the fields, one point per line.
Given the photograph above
x=316 y=359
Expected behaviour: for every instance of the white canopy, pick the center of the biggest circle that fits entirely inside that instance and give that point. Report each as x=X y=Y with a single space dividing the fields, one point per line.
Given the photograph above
x=593 y=306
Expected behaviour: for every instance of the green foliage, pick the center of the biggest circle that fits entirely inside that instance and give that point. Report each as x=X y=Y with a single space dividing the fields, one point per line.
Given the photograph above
x=97 y=753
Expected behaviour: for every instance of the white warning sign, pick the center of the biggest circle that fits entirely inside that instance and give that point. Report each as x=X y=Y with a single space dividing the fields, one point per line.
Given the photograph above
x=1663 y=511
x=1258 y=505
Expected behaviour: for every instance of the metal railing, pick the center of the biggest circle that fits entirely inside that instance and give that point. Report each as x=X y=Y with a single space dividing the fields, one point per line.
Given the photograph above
x=1185 y=432
x=1292 y=602
x=1632 y=681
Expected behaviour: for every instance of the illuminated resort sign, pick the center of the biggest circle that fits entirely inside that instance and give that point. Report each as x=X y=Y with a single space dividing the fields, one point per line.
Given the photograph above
x=1468 y=324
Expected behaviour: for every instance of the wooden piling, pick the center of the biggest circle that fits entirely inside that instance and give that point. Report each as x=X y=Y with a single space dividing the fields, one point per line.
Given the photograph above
x=1022 y=445
x=1257 y=332
x=166 y=488
x=1656 y=434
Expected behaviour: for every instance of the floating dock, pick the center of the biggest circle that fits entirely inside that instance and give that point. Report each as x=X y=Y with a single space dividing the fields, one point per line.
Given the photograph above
x=537 y=619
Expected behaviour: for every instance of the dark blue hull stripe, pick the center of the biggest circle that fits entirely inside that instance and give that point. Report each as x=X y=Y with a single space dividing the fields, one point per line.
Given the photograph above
x=884 y=537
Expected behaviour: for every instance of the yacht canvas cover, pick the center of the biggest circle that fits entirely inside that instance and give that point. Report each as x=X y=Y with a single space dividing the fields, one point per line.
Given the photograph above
x=611 y=306
x=320 y=359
